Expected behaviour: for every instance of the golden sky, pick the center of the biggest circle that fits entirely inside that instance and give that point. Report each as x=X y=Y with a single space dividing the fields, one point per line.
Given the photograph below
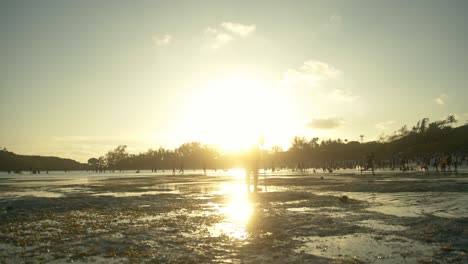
x=80 y=77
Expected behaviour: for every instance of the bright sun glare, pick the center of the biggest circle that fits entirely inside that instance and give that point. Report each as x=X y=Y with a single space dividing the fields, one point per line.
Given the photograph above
x=238 y=211
x=234 y=112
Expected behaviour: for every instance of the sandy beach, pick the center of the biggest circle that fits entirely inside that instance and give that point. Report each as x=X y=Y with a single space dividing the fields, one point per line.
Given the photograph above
x=341 y=217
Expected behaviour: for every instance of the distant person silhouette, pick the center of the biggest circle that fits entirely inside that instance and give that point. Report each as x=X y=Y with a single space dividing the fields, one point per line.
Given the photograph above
x=370 y=162
x=252 y=163
x=181 y=170
x=455 y=164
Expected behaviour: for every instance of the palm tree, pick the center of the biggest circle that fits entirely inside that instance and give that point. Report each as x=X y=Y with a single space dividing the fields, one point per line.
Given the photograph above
x=314 y=142
x=423 y=126
x=403 y=131
x=451 y=120
x=362 y=138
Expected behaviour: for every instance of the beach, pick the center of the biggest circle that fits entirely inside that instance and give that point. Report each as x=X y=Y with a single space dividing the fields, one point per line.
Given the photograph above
x=339 y=217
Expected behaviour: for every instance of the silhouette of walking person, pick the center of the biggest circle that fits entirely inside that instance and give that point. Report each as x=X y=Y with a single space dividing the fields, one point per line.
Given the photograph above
x=252 y=163
x=181 y=170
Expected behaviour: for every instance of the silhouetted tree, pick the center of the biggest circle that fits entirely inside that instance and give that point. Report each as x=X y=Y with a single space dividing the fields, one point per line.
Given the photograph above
x=93 y=163
x=115 y=159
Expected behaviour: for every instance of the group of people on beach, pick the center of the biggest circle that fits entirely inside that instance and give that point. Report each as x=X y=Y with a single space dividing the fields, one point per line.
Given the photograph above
x=438 y=162
x=441 y=162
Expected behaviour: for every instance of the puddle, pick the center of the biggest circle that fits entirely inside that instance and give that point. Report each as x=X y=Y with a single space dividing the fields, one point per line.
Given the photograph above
x=445 y=205
x=368 y=248
x=301 y=209
x=45 y=180
x=45 y=194
x=412 y=204
x=333 y=212
x=77 y=190
x=290 y=202
x=379 y=225
x=132 y=194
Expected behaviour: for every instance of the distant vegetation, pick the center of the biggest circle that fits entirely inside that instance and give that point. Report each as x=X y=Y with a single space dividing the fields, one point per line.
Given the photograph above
x=10 y=161
x=421 y=140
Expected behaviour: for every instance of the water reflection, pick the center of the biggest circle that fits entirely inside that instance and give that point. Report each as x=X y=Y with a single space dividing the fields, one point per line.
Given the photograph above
x=237 y=212
x=368 y=248
x=236 y=172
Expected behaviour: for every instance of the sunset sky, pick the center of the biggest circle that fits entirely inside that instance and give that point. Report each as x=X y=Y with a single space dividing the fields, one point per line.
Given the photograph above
x=81 y=77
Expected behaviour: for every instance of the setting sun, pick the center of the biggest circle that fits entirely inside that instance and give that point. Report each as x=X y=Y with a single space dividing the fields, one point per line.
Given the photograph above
x=234 y=112
x=240 y=131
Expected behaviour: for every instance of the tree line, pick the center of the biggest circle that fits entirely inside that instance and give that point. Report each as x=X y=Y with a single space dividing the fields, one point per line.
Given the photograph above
x=423 y=139
x=12 y=162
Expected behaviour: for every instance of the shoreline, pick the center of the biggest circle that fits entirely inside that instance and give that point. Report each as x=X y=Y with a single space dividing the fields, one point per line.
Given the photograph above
x=205 y=219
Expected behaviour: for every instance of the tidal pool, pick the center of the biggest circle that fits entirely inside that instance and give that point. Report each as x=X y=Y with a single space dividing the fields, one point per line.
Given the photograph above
x=368 y=248
x=193 y=218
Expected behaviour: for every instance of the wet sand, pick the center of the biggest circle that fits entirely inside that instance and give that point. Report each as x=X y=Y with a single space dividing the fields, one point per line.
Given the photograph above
x=191 y=218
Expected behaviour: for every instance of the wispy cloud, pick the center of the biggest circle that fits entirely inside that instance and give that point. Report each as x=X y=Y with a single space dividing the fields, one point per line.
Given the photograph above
x=319 y=77
x=321 y=70
x=335 y=19
x=339 y=95
x=210 y=30
x=325 y=123
x=223 y=37
x=162 y=40
x=227 y=32
x=311 y=73
x=220 y=38
x=315 y=74
x=441 y=99
x=384 y=125
x=238 y=28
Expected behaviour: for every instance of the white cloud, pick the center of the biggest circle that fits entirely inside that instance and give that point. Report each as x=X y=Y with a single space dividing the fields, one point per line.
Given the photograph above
x=385 y=125
x=162 y=40
x=228 y=32
x=325 y=123
x=441 y=99
x=210 y=30
x=321 y=70
x=339 y=95
x=220 y=38
x=238 y=29
x=311 y=73
x=335 y=19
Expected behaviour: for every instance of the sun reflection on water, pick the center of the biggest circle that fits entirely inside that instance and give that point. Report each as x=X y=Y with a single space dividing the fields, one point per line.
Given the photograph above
x=236 y=172
x=237 y=212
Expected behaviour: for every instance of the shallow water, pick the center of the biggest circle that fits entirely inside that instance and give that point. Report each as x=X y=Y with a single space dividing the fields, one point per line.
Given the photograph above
x=368 y=248
x=130 y=217
x=414 y=204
